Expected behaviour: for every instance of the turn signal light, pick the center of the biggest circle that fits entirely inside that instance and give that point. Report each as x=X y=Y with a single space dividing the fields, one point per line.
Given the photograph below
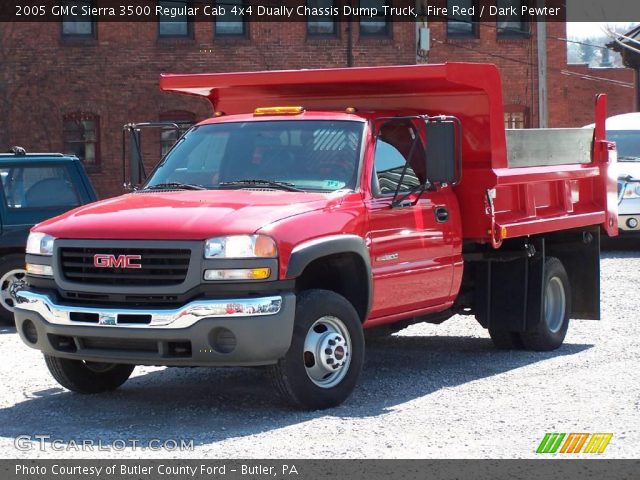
x=40 y=270
x=278 y=111
x=238 y=274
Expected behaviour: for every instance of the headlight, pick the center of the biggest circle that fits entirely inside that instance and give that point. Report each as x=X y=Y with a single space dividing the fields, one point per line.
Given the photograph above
x=632 y=190
x=241 y=246
x=40 y=244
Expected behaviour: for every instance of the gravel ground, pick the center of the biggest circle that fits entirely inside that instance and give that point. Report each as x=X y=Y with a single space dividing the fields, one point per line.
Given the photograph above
x=427 y=392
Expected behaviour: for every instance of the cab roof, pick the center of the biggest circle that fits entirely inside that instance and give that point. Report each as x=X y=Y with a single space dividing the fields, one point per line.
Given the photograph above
x=306 y=115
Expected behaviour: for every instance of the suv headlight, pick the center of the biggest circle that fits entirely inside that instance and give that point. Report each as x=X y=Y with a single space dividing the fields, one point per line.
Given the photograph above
x=40 y=244
x=241 y=246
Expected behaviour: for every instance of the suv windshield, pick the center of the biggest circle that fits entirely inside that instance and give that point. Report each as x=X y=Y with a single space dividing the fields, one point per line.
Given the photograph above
x=308 y=155
x=628 y=144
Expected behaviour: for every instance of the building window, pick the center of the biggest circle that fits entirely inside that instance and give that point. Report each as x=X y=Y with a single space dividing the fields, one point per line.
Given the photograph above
x=81 y=132
x=378 y=25
x=324 y=23
x=169 y=136
x=231 y=24
x=515 y=116
x=465 y=23
x=512 y=25
x=177 y=26
x=74 y=23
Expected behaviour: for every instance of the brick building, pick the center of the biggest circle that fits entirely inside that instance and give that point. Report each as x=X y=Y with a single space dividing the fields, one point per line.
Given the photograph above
x=70 y=86
x=571 y=89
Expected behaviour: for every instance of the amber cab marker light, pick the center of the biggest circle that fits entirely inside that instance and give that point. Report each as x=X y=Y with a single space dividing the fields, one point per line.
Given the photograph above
x=351 y=110
x=278 y=111
x=218 y=114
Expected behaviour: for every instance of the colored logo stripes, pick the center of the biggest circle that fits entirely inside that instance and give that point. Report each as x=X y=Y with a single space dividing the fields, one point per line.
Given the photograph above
x=596 y=443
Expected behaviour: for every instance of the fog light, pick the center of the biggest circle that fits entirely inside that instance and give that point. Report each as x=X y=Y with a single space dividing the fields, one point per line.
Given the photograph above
x=222 y=340
x=41 y=270
x=632 y=223
x=29 y=331
x=238 y=274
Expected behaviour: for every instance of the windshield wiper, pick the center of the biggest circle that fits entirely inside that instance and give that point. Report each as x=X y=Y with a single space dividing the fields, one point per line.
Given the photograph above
x=290 y=187
x=175 y=186
x=629 y=158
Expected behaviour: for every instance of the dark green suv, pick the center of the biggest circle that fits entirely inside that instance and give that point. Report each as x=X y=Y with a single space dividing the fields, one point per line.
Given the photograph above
x=35 y=187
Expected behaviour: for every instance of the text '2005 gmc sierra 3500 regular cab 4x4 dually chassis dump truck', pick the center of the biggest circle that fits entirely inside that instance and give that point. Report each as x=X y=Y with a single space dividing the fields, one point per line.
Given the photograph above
x=274 y=234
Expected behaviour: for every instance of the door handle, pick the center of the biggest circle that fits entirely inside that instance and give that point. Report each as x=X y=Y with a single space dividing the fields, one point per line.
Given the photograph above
x=442 y=214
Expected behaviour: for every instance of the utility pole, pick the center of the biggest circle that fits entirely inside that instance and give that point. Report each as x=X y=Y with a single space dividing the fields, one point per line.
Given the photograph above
x=543 y=113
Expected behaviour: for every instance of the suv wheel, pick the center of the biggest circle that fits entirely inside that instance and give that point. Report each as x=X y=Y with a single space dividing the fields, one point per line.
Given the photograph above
x=87 y=377
x=12 y=275
x=326 y=355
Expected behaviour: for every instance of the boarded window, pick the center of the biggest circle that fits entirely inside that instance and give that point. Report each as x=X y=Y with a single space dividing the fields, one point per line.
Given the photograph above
x=516 y=116
x=81 y=138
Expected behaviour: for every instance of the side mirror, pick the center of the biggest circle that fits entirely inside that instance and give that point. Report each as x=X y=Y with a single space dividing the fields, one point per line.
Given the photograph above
x=137 y=173
x=443 y=151
x=135 y=157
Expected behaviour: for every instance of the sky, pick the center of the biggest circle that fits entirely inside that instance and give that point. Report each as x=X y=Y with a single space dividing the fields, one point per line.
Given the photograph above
x=594 y=29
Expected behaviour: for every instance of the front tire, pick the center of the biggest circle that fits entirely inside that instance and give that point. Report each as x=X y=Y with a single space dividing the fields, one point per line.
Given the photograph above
x=87 y=377
x=324 y=361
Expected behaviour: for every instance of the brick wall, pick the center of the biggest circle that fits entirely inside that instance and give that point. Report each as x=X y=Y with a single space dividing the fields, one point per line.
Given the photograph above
x=515 y=57
x=43 y=78
x=578 y=86
x=115 y=76
x=571 y=89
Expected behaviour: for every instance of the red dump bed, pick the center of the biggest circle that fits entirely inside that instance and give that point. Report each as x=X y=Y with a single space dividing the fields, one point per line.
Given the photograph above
x=499 y=197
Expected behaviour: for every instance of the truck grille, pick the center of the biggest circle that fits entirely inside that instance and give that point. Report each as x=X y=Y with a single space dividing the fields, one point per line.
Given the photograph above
x=158 y=266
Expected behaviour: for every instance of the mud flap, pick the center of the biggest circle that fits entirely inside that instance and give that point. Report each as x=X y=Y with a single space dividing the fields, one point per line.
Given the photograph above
x=510 y=298
x=509 y=294
x=579 y=252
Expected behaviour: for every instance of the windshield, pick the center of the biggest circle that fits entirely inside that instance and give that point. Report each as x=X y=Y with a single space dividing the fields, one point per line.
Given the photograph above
x=628 y=144
x=310 y=155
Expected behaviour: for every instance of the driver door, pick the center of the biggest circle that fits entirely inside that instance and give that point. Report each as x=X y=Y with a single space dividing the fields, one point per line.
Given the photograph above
x=411 y=260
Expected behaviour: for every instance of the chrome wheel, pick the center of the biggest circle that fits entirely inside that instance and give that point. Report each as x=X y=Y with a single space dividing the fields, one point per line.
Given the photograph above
x=9 y=284
x=555 y=304
x=327 y=352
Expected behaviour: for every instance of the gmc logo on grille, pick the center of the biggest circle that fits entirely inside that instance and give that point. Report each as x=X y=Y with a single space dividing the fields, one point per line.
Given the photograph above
x=112 y=261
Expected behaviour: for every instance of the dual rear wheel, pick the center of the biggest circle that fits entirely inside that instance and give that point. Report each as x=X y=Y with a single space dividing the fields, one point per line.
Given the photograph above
x=551 y=331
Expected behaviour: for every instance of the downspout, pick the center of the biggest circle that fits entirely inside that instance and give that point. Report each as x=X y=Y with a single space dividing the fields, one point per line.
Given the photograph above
x=638 y=87
x=349 y=42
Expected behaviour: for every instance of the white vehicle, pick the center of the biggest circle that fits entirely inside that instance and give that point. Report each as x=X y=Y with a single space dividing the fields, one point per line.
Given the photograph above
x=625 y=131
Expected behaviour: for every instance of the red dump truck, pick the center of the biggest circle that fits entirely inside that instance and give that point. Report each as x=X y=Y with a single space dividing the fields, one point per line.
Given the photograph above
x=314 y=206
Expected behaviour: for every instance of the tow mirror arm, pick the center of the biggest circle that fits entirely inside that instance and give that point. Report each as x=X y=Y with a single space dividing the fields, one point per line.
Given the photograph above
x=137 y=173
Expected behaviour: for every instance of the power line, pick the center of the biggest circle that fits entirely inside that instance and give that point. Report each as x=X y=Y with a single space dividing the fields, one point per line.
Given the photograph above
x=494 y=26
x=530 y=64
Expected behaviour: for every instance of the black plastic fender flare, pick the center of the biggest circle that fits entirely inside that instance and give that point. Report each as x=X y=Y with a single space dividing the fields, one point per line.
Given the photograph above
x=305 y=253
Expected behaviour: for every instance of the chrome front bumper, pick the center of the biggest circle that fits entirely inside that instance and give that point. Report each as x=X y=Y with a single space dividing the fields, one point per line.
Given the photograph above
x=181 y=317
x=212 y=332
